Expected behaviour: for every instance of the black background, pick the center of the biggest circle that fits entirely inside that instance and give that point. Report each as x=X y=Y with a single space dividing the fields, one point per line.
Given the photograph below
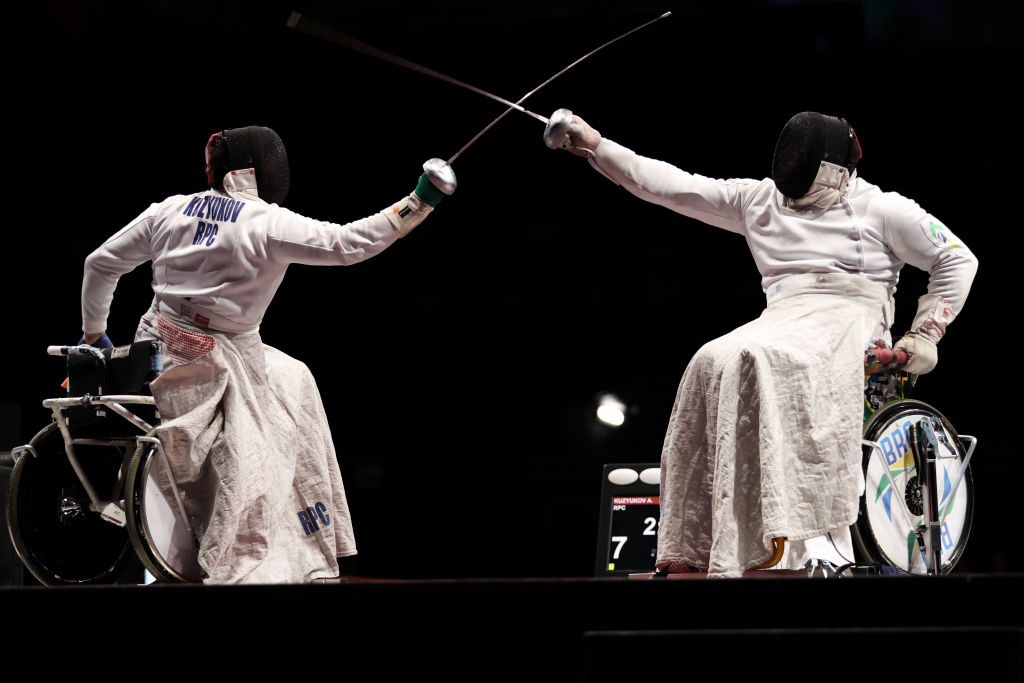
x=460 y=368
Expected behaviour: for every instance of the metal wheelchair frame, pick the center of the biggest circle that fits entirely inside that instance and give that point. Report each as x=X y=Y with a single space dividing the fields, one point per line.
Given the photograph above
x=114 y=508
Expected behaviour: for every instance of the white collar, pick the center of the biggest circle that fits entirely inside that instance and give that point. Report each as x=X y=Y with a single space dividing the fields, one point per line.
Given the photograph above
x=241 y=184
x=828 y=187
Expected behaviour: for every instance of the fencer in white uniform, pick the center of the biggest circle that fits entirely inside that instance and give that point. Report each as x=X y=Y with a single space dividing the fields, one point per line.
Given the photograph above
x=242 y=422
x=763 y=443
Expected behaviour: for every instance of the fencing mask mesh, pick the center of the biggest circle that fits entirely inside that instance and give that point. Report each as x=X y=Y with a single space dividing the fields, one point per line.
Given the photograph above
x=807 y=139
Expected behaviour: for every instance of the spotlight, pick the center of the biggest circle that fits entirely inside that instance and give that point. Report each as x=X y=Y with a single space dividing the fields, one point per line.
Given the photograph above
x=611 y=410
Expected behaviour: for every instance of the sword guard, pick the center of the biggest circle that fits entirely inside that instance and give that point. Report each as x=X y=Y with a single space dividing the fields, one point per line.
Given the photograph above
x=440 y=175
x=556 y=133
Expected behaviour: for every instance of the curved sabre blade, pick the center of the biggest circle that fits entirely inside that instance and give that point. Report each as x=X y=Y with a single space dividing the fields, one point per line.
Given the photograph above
x=527 y=95
x=301 y=23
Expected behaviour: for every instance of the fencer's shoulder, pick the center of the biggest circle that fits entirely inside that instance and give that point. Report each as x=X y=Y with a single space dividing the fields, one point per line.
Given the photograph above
x=277 y=212
x=859 y=185
x=748 y=182
x=749 y=192
x=895 y=211
x=881 y=200
x=175 y=200
x=169 y=206
x=752 y=189
x=282 y=222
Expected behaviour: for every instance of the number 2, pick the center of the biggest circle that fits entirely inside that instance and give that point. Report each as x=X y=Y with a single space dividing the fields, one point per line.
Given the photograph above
x=652 y=527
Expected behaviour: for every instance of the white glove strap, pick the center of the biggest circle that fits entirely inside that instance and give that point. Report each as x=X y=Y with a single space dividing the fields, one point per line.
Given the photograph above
x=407 y=213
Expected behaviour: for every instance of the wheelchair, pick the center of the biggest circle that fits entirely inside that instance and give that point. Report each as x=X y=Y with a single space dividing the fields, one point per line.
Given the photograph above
x=918 y=503
x=917 y=507
x=90 y=494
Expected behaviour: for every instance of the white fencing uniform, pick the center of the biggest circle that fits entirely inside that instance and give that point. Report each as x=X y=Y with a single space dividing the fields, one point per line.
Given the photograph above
x=764 y=438
x=242 y=423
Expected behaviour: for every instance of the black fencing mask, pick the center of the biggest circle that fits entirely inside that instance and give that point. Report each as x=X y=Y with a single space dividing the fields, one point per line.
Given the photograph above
x=256 y=147
x=808 y=139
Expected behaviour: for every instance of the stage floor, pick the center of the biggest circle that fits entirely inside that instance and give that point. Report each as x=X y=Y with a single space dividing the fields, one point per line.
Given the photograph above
x=587 y=629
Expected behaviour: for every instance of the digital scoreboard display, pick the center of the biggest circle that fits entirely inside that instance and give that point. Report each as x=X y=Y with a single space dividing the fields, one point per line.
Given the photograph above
x=628 y=524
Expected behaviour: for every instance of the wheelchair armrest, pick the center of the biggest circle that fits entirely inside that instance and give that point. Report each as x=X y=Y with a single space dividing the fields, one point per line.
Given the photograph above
x=123 y=370
x=126 y=370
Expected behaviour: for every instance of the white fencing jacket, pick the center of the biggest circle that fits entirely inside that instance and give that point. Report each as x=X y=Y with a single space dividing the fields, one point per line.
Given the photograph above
x=218 y=258
x=868 y=232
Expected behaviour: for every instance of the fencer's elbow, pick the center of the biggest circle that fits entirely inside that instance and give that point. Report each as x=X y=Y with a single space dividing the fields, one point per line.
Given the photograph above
x=968 y=266
x=92 y=263
x=100 y=263
x=962 y=261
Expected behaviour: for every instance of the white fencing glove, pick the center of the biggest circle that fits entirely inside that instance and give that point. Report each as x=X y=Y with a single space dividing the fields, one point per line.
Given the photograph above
x=567 y=131
x=410 y=211
x=922 y=353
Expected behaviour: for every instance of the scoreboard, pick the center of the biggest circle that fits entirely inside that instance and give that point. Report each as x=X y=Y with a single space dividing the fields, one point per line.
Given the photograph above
x=628 y=523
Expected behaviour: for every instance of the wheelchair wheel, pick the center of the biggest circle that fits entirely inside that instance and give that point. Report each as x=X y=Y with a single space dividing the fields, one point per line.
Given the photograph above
x=159 y=535
x=57 y=537
x=891 y=507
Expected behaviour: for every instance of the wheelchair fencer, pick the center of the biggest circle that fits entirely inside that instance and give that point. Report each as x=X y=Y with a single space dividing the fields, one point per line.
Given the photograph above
x=91 y=492
x=918 y=503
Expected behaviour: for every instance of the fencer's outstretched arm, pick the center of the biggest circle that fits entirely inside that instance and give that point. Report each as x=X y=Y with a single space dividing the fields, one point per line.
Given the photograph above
x=243 y=265
x=905 y=232
x=711 y=201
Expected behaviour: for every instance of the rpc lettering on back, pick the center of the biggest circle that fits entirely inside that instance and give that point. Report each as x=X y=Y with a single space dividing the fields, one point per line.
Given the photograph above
x=213 y=209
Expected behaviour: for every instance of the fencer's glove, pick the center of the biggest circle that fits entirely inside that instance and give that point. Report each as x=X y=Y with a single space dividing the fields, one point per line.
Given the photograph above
x=101 y=342
x=922 y=353
x=567 y=131
x=426 y=191
x=411 y=210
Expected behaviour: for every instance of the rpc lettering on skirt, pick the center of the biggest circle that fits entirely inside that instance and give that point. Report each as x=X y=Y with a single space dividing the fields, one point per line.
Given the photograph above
x=310 y=515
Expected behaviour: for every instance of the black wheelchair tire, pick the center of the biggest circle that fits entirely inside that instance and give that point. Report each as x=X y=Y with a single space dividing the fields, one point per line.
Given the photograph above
x=93 y=551
x=134 y=492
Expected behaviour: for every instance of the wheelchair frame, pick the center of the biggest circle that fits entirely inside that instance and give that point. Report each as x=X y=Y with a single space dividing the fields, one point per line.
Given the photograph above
x=116 y=508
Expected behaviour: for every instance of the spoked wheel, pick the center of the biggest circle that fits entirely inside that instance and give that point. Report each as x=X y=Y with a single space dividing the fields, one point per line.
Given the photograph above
x=58 y=538
x=158 y=533
x=891 y=509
